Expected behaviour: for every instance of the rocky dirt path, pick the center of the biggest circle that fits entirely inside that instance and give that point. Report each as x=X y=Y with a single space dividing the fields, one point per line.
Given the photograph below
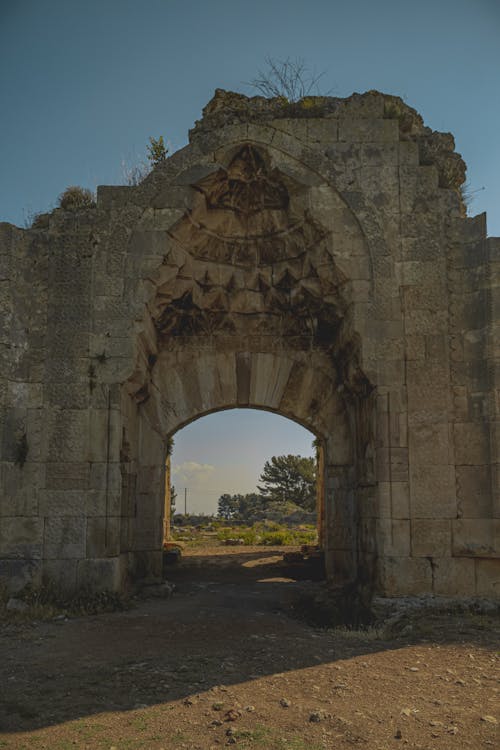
x=223 y=662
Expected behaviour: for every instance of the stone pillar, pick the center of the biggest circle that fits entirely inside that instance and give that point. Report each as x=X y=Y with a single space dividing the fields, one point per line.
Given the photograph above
x=340 y=541
x=168 y=499
x=320 y=495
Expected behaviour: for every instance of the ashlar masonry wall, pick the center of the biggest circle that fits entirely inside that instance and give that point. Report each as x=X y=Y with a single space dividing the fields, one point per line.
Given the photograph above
x=313 y=259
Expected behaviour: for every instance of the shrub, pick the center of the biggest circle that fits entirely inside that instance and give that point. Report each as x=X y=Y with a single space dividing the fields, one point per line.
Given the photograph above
x=275 y=538
x=157 y=151
x=75 y=197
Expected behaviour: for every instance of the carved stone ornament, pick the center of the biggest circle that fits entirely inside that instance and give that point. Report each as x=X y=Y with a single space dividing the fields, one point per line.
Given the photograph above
x=245 y=215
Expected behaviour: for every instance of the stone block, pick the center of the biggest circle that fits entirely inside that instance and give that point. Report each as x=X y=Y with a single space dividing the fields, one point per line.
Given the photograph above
x=475 y=344
x=60 y=574
x=106 y=574
x=23 y=503
x=150 y=479
x=473 y=375
x=103 y=536
x=367 y=534
x=474 y=491
x=488 y=578
x=471 y=443
x=18 y=573
x=268 y=379
x=471 y=311
x=70 y=370
x=19 y=488
x=436 y=348
x=426 y=321
x=126 y=529
x=67 y=395
x=64 y=537
x=66 y=435
x=420 y=249
x=63 y=503
x=357 y=130
x=408 y=153
x=390 y=372
x=147 y=533
x=415 y=347
x=280 y=140
x=432 y=491
x=429 y=392
x=392 y=464
x=430 y=537
x=405 y=576
x=21 y=537
x=476 y=537
x=400 y=499
x=430 y=444
x=145 y=565
x=381 y=187
x=104 y=435
x=453 y=576
x=320 y=130
x=106 y=489
x=431 y=296
x=24 y=395
x=393 y=538
x=379 y=154
x=67 y=476
x=341 y=536
x=340 y=566
x=495 y=485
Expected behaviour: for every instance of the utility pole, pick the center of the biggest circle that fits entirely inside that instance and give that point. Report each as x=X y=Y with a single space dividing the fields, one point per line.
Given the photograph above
x=185 y=500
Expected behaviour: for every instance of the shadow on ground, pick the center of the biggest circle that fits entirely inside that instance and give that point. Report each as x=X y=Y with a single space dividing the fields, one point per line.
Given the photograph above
x=230 y=621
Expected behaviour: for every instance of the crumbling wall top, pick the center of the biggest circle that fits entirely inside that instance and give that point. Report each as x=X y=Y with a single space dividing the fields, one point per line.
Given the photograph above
x=230 y=108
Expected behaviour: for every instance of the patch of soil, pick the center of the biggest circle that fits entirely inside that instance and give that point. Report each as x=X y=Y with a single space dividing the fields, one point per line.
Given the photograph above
x=224 y=662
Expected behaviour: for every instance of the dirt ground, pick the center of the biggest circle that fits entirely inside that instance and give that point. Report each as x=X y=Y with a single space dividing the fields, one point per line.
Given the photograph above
x=225 y=662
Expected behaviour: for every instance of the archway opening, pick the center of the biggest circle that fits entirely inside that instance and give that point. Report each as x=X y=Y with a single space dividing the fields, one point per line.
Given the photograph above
x=245 y=491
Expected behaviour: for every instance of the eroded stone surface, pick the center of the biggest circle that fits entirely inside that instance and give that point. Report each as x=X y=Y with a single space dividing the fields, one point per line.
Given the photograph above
x=313 y=259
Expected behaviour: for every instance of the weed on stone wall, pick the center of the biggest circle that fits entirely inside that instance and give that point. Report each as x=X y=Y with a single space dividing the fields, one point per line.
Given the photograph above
x=75 y=197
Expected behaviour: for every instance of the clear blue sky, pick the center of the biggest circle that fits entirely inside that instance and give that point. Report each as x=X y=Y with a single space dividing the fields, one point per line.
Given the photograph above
x=84 y=83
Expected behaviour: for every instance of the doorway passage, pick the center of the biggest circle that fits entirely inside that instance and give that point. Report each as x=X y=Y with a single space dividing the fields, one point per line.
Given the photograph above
x=243 y=499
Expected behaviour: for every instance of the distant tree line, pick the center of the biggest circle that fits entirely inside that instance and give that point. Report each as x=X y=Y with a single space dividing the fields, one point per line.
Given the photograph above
x=286 y=484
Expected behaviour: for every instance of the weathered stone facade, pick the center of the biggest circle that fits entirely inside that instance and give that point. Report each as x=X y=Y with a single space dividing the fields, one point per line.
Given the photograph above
x=312 y=259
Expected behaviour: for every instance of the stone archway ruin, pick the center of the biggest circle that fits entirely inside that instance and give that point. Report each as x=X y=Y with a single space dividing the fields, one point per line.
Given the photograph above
x=311 y=259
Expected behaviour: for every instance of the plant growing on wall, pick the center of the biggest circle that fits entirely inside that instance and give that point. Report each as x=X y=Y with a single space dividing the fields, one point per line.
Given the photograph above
x=75 y=197
x=291 y=79
x=157 y=151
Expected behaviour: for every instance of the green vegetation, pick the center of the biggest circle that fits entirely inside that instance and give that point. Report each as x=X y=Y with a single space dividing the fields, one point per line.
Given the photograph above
x=265 y=533
x=289 y=479
x=157 y=151
x=272 y=534
x=288 y=486
x=74 y=198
